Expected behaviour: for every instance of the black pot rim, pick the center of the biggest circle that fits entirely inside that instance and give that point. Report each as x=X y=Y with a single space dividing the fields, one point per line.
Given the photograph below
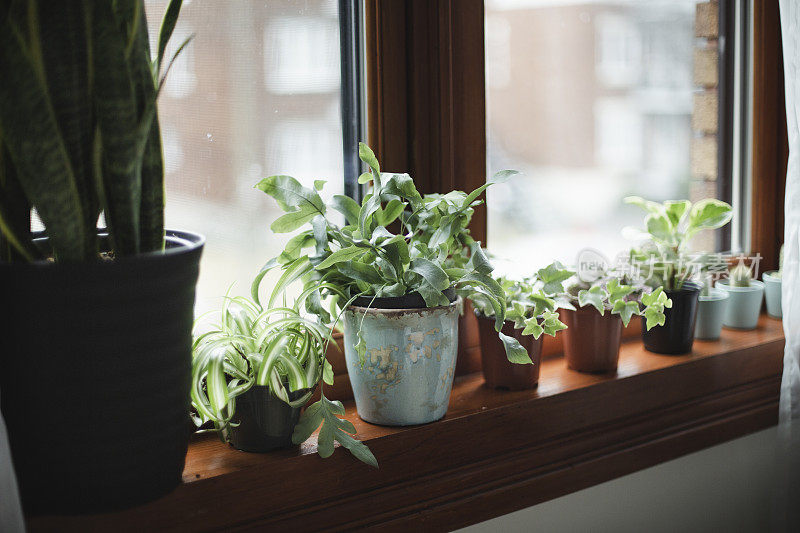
x=688 y=286
x=177 y=242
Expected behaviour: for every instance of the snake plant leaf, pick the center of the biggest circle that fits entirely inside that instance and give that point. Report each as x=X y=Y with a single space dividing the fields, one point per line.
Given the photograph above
x=514 y=351
x=43 y=166
x=594 y=296
x=167 y=26
x=116 y=108
x=15 y=214
x=346 y=206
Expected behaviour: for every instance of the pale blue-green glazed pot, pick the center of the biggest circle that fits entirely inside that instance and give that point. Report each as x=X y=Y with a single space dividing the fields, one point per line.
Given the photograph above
x=710 y=312
x=772 y=292
x=409 y=364
x=744 y=304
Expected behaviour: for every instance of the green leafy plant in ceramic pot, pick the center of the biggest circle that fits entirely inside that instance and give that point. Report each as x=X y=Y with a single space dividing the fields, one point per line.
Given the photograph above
x=745 y=296
x=253 y=373
x=530 y=312
x=595 y=320
x=395 y=291
x=772 y=288
x=79 y=138
x=663 y=262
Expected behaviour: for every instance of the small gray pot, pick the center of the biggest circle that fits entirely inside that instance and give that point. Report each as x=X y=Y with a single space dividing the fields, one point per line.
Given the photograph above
x=744 y=304
x=408 y=370
x=710 y=312
x=772 y=292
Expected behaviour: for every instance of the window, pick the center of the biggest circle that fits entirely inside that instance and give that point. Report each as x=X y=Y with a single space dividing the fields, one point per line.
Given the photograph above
x=256 y=93
x=591 y=101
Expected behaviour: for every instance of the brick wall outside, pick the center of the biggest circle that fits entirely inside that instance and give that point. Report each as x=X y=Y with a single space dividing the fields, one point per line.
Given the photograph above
x=705 y=104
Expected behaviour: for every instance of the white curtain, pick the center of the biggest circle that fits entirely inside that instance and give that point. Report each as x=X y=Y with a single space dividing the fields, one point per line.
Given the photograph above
x=789 y=425
x=10 y=511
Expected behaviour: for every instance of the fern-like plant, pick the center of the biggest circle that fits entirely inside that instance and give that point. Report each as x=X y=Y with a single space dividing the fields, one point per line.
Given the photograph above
x=79 y=133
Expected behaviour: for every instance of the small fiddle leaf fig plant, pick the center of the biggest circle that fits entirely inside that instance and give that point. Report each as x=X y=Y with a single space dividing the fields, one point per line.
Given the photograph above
x=669 y=226
x=608 y=294
x=364 y=258
x=277 y=348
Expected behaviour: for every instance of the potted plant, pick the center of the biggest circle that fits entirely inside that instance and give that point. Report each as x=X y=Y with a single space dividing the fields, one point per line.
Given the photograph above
x=772 y=288
x=529 y=313
x=663 y=262
x=96 y=348
x=712 y=302
x=253 y=373
x=746 y=296
x=395 y=291
x=594 y=327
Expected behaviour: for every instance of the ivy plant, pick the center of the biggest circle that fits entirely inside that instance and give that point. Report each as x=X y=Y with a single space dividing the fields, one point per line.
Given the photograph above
x=669 y=226
x=530 y=305
x=609 y=294
x=277 y=348
x=388 y=246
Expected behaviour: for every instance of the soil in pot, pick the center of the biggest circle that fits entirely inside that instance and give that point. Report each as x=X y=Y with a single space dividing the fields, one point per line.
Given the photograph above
x=498 y=371
x=264 y=422
x=407 y=373
x=101 y=422
x=772 y=293
x=676 y=336
x=744 y=304
x=710 y=312
x=591 y=340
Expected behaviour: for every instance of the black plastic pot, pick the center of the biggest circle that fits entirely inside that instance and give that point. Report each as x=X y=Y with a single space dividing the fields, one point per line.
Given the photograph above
x=95 y=367
x=264 y=422
x=676 y=336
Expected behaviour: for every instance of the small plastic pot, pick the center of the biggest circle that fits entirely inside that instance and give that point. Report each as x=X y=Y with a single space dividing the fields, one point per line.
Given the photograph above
x=265 y=422
x=498 y=371
x=772 y=292
x=676 y=336
x=710 y=312
x=744 y=304
x=591 y=340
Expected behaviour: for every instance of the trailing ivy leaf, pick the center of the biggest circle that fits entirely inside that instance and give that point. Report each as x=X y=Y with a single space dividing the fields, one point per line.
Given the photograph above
x=346 y=206
x=594 y=296
x=656 y=297
x=514 y=351
x=553 y=276
x=532 y=327
x=551 y=323
x=655 y=317
x=625 y=310
x=617 y=292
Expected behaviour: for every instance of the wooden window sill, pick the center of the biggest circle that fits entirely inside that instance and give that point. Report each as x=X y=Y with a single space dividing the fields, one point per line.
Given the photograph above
x=494 y=452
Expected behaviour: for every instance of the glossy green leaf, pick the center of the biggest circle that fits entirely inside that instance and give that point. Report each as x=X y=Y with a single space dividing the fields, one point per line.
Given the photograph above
x=514 y=351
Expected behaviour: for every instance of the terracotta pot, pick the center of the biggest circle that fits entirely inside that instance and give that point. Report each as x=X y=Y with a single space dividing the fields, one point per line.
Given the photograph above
x=498 y=372
x=468 y=360
x=591 y=341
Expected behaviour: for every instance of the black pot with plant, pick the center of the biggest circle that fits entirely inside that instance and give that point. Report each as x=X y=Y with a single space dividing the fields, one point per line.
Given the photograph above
x=96 y=341
x=664 y=261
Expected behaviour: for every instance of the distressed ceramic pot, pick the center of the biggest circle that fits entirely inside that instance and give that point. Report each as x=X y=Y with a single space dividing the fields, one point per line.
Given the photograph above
x=744 y=304
x=710 y=312
x=591 y=340
x=772 y=292
x=498 y=371
x=409 y=364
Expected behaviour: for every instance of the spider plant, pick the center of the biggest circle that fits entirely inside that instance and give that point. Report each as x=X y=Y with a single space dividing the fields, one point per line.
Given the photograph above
x=277 y=348
x=79 y=133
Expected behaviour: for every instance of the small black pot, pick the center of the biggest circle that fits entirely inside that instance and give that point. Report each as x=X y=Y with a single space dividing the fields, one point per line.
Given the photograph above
x=95 y=368
x=264 y=422
x=676 y=336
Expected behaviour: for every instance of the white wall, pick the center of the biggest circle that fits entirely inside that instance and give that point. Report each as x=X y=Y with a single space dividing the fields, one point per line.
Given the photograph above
x=724 y=488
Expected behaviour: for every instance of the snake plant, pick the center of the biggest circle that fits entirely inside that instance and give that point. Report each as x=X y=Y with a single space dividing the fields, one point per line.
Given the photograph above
x=79 y=133
x=277 y=348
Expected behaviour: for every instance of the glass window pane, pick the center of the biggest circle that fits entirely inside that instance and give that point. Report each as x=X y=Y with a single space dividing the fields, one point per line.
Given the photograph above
x=592 y=101
x=255 y=93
